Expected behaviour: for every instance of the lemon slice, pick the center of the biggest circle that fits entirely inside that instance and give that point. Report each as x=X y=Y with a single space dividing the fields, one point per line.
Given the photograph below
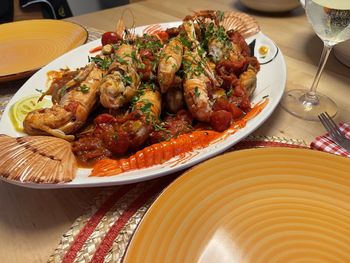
x=21 y=108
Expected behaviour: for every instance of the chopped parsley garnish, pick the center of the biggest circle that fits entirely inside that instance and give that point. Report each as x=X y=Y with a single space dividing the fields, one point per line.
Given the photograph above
x=213 y=32
x=120 y=60
x=185 y=41
x=154 y=64
x=148 y=42
x=133 y=56
x=83 y=88
x=146 y=108
x=220 y=15
x=229 y=92
x=127 y=80
x=177 y=48
x=63 y=91
x=191 y=68
x=196 y=92
x=142 y=66
x=167 y=57
x=104 y=63
x=152 y=86
x=159 y=127
x=201 y=52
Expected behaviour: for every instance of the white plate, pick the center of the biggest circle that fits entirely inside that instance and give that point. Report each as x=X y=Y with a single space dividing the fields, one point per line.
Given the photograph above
x=271 y=83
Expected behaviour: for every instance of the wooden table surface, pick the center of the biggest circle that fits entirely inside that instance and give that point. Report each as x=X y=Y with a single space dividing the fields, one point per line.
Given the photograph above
x=33 y=221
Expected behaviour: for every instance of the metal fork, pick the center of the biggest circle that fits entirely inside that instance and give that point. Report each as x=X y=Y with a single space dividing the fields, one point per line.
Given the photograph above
x=334 y=131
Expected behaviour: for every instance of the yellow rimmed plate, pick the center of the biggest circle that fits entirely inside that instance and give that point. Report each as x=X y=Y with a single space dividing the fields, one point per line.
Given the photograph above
x=258 y=205
x=26 y=46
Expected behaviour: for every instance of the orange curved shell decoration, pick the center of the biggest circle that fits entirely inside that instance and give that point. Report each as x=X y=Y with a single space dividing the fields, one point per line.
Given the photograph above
x=241 y=22
x=36 y=159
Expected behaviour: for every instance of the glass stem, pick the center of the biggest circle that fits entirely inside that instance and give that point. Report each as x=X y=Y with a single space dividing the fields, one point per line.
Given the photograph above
x=325 y=53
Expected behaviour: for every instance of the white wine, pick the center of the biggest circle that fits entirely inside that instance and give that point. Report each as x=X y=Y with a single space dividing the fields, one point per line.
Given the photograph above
x=330 y=19
x=335 y=4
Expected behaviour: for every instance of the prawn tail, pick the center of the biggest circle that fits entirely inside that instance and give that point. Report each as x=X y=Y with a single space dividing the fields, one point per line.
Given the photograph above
x=156 y=154
x=106 y=167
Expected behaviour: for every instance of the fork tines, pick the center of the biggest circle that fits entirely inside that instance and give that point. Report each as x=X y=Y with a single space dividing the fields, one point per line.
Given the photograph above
x=334 y=131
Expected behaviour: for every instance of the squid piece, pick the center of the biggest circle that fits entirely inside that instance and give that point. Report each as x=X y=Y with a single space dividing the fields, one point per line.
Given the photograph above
x=169 y=64
x=121 y=84
x=65 y=118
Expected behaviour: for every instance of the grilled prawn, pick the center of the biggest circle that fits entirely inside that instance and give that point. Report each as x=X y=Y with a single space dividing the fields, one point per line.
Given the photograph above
x=121 y=83
x=169 y=64
x=116 y=135
x=77 y=98
x=196 y=80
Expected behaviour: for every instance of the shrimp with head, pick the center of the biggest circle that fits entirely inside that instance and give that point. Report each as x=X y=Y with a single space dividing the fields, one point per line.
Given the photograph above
x=116 y=135
x=122 y=81
x=169 y=63
x=73 y=101
x=199 y=78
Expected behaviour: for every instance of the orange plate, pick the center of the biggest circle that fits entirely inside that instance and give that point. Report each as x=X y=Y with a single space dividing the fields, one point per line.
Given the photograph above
x=258 y=205
x=26 y=46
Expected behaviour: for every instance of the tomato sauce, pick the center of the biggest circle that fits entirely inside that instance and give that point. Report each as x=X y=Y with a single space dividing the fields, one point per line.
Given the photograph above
x=184 y=147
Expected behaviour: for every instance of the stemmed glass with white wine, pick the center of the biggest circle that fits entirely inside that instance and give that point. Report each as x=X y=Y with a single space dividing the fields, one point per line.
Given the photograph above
x=331 y=21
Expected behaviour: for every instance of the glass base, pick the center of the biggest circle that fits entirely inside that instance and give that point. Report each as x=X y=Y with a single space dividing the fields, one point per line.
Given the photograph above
x=307 y=105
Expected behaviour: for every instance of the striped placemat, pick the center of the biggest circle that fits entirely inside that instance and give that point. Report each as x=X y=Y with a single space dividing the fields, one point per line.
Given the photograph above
x=103 y=233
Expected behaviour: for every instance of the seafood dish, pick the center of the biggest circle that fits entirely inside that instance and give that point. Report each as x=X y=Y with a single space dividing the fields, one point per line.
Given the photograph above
x=141 y=100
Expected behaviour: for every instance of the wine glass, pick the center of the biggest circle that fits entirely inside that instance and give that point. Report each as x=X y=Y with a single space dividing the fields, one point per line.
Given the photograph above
x=330 y=20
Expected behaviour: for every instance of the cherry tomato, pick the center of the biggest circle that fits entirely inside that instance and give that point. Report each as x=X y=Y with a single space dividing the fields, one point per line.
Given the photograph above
x=220 y=120
x=163 y=35
x=117 y=142
x=245 y=104
x=222 y=104
x=104 y=118
x=146 y=53
x=235 y=111
x=239 y=91
x=110 y=38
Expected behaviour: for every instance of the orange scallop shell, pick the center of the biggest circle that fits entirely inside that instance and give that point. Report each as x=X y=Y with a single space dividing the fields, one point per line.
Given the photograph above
x=36 y=159
x=241 y=22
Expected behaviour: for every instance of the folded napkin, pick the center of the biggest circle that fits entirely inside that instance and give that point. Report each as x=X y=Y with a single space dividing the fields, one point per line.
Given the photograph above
x=326 y=144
